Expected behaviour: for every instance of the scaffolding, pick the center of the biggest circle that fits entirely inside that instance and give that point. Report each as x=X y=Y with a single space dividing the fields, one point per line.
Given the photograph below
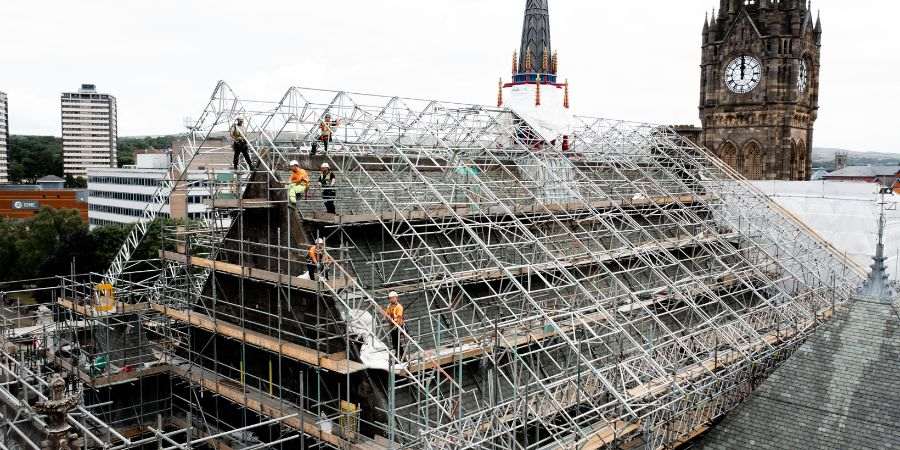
x=627 y=290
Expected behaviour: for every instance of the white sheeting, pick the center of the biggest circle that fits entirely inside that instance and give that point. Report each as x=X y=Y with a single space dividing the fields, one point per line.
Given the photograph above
x=551 y=119
x=373 y=354
x=844 y=213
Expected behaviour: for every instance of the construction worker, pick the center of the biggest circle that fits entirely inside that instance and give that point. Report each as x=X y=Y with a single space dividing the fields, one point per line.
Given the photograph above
x=299 y=182
x=327 y=180
x=315 y=259
x=394 y=313
x=326 y=131
x=239 y=144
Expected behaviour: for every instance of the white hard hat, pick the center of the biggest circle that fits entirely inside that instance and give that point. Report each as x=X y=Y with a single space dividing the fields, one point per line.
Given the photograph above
x=393 y=294
x=325 y=166
x=320 y=241
x=294 y=162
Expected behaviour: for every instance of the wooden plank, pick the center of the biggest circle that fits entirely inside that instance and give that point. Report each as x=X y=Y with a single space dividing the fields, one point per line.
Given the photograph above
x=444 y=212
x=109 y=379
x=489 y=274
x=268 y=406
x=256 y=339
x=233 y=203
x=608 y=434
x=254 y=273
x=90 y=310
x=660 y=385
x=514 y=338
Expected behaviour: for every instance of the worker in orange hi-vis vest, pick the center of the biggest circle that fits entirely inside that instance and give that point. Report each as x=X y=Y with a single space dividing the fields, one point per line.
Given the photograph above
x=394 y=313
x=316 y=258
x=326 y=130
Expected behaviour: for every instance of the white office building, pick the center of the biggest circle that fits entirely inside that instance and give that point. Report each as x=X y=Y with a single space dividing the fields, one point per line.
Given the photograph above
x=89 y=133
x=120 y=195
x=4 y=139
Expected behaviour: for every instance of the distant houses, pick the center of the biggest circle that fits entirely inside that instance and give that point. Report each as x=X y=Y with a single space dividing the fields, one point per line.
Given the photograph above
x=886 y=175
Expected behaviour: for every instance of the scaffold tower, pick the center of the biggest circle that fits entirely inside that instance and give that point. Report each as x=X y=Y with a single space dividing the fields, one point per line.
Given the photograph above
x=626 y=289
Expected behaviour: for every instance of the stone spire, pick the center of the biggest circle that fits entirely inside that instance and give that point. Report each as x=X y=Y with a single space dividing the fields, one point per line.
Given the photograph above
x=877 y=285
x=535 y=35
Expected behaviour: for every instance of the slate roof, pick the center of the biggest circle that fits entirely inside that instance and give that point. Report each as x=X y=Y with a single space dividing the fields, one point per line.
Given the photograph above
x=839 y=390
x=50 y=179
x=865 y=171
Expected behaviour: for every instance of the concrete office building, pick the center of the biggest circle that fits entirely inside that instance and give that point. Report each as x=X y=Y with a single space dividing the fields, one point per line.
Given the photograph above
x=4 y=138
x=120 y=195
x=89 y=130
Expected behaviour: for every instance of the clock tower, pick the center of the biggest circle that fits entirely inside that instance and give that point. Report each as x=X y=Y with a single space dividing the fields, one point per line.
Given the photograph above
x=759 y=92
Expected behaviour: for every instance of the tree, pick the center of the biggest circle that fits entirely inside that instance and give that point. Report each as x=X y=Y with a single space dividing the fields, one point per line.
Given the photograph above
x=32 y=157
x=75 y=182
x=9 y=254
x=52 y=239
x=108 y=240
x=46 y=245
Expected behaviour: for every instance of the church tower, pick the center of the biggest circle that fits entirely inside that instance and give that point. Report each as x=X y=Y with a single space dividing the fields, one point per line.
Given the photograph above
x=759 y=93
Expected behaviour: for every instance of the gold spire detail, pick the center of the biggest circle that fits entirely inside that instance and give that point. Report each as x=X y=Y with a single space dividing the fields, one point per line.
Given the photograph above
x=545 y=64
x=566 y=95
x=537 y=92
x=500 y=93
x=554 y=66
x=529 y=62
x=515 y=62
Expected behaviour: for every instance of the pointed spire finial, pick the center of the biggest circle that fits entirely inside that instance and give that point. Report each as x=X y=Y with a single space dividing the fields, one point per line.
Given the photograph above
x=500 y=93
x=515 y=62
x=535 y=36
x=554 y=66
x=566 y=95
x=537 y=92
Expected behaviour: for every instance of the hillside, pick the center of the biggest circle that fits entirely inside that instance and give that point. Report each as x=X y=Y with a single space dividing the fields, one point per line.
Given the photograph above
x=824 y=157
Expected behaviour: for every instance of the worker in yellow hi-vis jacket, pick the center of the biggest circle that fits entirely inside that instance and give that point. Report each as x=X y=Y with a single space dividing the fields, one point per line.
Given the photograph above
x=299 y=182
x=394 y=313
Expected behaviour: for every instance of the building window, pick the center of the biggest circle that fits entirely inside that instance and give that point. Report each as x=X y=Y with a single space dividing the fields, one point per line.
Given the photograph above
x=729 y=155
x=752 y=167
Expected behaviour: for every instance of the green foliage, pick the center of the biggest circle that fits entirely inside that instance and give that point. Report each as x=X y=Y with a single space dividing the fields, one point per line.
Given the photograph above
x=47 y=244
x=53 y=238
x=32 y=157
x=107 y=240
x=128 y=145
x=75 y=182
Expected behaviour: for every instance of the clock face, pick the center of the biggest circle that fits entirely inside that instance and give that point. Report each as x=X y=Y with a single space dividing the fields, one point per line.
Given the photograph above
x=803 y=77
x=743 y=74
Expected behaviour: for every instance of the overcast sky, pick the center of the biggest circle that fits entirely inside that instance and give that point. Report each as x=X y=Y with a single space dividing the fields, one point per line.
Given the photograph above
x=634 y=59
